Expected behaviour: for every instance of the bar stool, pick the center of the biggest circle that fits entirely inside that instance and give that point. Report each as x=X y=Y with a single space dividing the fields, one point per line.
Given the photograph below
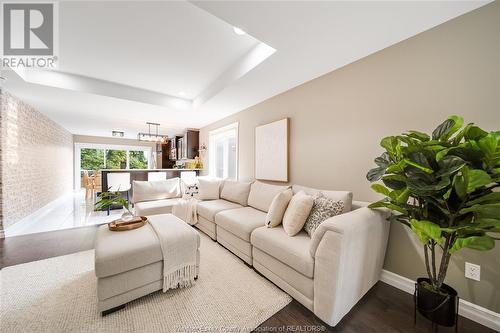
x=160 y=175
x=119 y=182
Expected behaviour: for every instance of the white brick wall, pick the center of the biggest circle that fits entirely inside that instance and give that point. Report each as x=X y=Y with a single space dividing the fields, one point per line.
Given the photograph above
x=37 y=160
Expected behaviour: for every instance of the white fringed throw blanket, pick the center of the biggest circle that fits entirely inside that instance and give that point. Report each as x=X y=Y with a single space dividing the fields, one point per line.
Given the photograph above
x=179 y=244
x=185 y=209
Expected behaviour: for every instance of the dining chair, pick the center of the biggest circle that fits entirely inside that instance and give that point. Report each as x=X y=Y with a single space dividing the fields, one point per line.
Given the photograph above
x=119 y=182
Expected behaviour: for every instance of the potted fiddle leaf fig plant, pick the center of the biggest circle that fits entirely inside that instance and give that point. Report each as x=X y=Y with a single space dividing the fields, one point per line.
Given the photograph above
x=442 y=186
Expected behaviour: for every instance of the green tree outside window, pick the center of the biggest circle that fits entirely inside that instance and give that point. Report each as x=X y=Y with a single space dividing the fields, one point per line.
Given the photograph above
x=138 y=160
x=92 y=159
x=116 y=159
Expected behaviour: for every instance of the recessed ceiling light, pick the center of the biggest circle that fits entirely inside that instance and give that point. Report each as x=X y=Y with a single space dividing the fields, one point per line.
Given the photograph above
x=239 y=31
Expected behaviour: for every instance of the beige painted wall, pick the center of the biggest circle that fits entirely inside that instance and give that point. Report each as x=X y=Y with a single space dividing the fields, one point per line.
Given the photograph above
x=37 y=160
x=337 y=121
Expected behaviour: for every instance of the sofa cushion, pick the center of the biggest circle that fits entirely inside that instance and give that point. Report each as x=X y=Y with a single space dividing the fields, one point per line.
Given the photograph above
x=156 y=190
x=301 y=283
x=236 y=191
x=293 y=251
x=345 y=196
x=209 y=208
x=277 y=209
x=297 y=212
x=241 y=222
x=261 y=195
x=208 y=189
x=148 y=208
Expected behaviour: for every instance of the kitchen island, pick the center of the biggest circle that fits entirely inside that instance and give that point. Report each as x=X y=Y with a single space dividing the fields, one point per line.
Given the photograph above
x=142 y=174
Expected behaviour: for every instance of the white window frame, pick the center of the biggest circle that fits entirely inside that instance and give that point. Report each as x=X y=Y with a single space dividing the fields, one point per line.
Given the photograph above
x=80 y=146
x=211 y=149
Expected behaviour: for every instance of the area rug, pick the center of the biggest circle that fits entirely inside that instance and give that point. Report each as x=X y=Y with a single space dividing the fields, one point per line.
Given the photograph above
x=59 y=295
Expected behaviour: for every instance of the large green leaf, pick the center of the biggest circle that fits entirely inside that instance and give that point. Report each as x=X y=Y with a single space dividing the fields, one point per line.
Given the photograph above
x=427 y=230
x=483 y=211
x=476 y=179
x=444 y=131
x=493 y=197
x=442 y=153
x=490 y=146
x=480 y=243
x=381 y=189
x=418 y=135
x=375 y=174
x=391 y=206
x=485 y=224
x=474 y=133
x=428 y=189
x=460 y=182
x=419 y=166
x=397 y=167
x=383 y=160
x=391 y=144
x=400 y=196
x=395 y=182
x=449 y=165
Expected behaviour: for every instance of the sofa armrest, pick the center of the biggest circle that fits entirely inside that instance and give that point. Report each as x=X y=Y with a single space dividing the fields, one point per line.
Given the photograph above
x=349 y=251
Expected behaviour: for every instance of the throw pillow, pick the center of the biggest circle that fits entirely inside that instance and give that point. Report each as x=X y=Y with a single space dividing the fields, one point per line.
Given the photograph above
x=297 y=212
x=208 y=189
x=235 y=191
x=323 y=208
x=278 y=207
x=156 y=190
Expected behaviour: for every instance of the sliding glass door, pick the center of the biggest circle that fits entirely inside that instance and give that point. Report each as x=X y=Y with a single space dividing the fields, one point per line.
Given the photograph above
x=91 y=158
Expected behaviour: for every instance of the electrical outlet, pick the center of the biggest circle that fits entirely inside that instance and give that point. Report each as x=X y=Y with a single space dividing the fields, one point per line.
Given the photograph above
x=472 y=271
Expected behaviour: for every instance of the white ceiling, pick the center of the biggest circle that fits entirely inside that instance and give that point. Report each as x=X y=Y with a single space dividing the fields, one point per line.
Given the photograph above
x=124 y=63
x=166 y=47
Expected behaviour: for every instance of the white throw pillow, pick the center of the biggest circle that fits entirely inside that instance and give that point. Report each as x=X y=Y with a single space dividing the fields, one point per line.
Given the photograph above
x=262 y=195
x=236 y=192
x=297 y=212
x=278 y=207
x=208 y=189
x=156 y=190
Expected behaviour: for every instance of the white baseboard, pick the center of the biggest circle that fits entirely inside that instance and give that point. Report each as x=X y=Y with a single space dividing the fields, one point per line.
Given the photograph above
x=466 y=309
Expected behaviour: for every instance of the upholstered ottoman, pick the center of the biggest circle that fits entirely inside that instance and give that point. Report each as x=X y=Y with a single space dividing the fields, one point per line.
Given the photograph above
x=129 y=264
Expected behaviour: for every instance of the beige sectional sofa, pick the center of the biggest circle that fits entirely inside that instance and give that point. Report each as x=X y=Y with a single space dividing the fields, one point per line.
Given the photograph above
x=328 y=273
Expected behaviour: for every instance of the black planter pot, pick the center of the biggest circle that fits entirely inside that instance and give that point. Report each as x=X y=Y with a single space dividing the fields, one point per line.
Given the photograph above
x=440 y=309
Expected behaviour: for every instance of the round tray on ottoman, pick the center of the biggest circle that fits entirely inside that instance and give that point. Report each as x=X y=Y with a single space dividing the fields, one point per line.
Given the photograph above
x=119 y=225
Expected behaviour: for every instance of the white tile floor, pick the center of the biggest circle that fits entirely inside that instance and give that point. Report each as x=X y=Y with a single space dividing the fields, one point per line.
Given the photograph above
x=68 y=211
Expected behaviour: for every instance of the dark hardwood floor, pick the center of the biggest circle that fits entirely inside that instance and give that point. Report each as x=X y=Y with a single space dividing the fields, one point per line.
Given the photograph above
x=383 y=309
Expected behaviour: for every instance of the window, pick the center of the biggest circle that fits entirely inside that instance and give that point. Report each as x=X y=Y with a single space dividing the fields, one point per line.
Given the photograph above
x=90 y=157
x=138 y=159
x=223 y=152
x=116 y=159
